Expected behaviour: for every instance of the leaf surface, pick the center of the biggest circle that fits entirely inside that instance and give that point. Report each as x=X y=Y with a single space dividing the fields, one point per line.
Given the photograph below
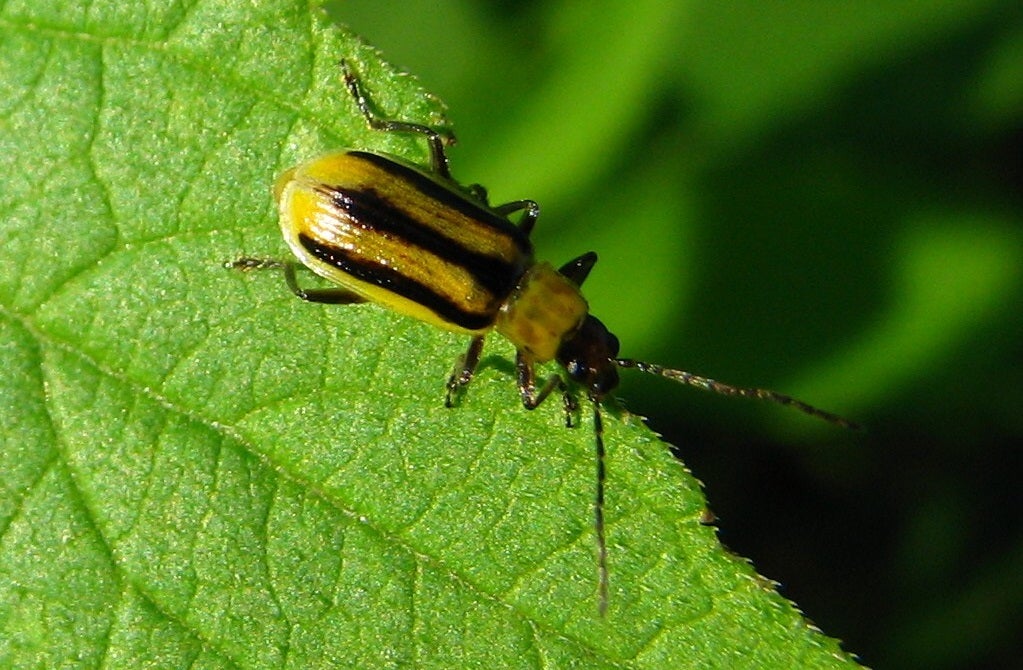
x=200 y=470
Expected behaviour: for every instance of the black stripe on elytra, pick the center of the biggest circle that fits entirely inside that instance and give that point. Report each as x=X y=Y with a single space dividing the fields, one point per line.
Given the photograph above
x=395 y=282
x=367 y=209
x=449 y=196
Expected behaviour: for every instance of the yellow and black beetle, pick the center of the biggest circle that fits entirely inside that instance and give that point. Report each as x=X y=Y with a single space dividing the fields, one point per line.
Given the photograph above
x=413 y=240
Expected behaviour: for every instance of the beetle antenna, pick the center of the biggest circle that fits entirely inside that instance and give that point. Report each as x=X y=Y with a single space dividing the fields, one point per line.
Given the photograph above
x=708 y=384
x=598 y=511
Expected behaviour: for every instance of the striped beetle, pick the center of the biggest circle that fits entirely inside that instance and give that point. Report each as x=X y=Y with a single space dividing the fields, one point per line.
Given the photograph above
x=413 y=240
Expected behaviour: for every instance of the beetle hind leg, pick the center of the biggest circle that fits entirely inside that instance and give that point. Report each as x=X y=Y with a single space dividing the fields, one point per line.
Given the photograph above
x=329 y=296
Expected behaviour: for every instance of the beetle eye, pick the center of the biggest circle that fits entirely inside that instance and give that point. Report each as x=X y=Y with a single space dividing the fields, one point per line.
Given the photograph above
x=604 y=381
x=589 y=357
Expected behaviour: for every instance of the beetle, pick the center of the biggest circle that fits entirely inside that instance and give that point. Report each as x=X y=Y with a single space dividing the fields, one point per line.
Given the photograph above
x=388 y=231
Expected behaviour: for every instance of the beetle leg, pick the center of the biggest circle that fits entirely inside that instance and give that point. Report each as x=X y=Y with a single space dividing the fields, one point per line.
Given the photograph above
x=436 y=141
x=465 y=368
x=327 y=296
x=247 y=263
x=531 y=397
x=530 y=213
x=569 y=403
x=330 y=296
x=578 y=269
x=479 y=192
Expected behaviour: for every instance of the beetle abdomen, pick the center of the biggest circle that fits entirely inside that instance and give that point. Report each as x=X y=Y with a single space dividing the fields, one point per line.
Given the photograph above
x=397 y=236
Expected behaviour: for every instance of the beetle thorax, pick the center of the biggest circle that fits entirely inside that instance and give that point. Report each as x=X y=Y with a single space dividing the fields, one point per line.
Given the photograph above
x=545 y=309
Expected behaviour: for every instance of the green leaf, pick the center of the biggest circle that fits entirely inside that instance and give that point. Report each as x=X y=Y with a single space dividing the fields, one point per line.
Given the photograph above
x=200 y=470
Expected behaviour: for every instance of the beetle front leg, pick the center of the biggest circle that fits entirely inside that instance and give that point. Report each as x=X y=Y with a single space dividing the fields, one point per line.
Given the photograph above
x=465 y=368
x=578 y=269
x=531 y=397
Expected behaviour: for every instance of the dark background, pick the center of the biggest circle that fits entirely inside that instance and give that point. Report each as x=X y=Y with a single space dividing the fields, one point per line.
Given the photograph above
x=824 y=198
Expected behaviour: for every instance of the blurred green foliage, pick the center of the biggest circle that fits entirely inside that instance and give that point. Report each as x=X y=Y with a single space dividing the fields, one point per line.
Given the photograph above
x=821 y=197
